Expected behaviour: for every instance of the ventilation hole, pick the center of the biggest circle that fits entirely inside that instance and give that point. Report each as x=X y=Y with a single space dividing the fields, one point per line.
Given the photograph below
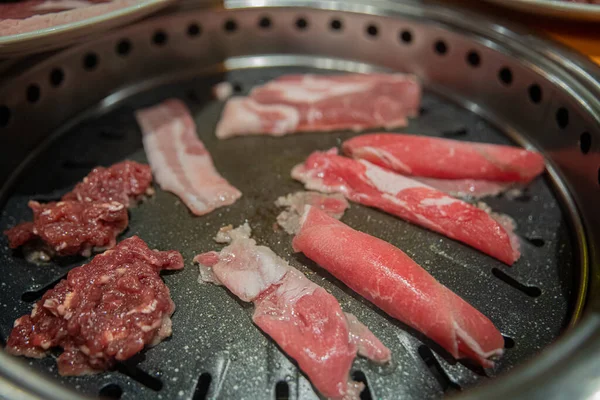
x=436 y=369
x=505 y=76
x=509 y=342
x=372 y=30
x=535 y=93
x=301 y=23
x=282 y=391
x=141 y=376
x=440 y=47
x=34 y=295
x=202 y=386
x=423 y=111
x=230 y=26
x=562 y=117
x=4 y=116
x=264 y=22
x=57 y=76
x=112 y=134
x=455 y=133
x=336 y=25
x=473 y=58
x=90 y=61
x=123 y=47
x=79 y=164
x=406 y=37
x=33 y=93
x=585 y=142
x=160 y=38
x=193 y=30
x=237 y=87
x=360 y=376
x=537 y=242
x=111 y=391
x=530 y=291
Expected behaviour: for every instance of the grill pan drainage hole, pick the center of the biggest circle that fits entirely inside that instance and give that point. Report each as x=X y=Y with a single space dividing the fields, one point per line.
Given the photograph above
x=531 y=291
x=509 y=342
x=282 y=391
x=437 y=371
x=111 y=391
x=139 y=375
x=359 y=376
x=201 y=391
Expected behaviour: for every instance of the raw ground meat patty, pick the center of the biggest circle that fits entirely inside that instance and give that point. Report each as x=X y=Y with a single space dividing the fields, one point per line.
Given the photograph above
x=103 y=312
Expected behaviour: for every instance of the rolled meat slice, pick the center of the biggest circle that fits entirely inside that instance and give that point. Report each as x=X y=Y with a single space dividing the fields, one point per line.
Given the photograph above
x=446 y=158
x=305 y=320
x=413 y=201
x=392 y=281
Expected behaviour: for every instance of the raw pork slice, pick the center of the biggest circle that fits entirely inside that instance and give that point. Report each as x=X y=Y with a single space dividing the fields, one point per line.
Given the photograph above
x=468 y=188
x=333 y=204
x=373 y=186
x=70 y=227
x=35 y=15
x=300 y=103
x=446 y=158
x=388 y=278
x=304 y=320
x=127 y=182
x=103 y=312
x=179 y=160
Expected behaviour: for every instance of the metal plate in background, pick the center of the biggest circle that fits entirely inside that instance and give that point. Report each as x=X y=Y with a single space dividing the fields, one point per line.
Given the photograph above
x=554 y=8
x=213 y=332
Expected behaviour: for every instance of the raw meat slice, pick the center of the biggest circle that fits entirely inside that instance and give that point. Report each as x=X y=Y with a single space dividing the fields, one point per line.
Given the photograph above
x=71 y=227
x=127 y=182
x=179 y=160
x=304 y=320
x=373 y=186
x=334 y=205
x=467 y=188
x=34 y=15
x=388 y=278
x=103 y=312
x=300 y=103
x=446 y=158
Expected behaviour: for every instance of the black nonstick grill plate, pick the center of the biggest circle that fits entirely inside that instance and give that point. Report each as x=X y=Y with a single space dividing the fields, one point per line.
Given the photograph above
x=215 y=349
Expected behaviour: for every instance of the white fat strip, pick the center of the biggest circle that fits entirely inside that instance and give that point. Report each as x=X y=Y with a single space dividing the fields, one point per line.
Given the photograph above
x=384 y=155
x=313 y=89
x=242 y=116
x=207 y=275
x=438 y=202
x=472 y=343
x=223 y=90
x=389 y=182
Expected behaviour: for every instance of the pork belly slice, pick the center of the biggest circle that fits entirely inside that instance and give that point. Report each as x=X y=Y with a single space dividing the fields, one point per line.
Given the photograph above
x=289 y=219
x=70 y=227
x=446 y=158
x=300 y=103
x=34 y=15
x=127 y=182
x=413 y=201
x=179 y=160
x=392 y=281
x=303 y=319
x=103 y=312
x=469 y=188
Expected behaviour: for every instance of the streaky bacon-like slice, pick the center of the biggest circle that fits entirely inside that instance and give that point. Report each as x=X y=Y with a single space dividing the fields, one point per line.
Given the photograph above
x=103 y=312
x=289 y=219
x=304 y=319
x=300 y=103
x=392 y=281
x=179 y=160
x=446 y=158
x=413 y=201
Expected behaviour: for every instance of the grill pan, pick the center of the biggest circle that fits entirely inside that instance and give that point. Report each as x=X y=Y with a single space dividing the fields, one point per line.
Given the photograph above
x=484 y=82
